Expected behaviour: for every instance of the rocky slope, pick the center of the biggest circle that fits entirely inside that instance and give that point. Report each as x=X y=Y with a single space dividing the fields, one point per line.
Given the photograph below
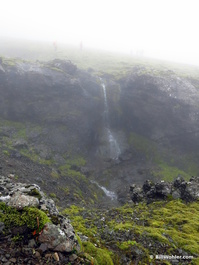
x=33 y=231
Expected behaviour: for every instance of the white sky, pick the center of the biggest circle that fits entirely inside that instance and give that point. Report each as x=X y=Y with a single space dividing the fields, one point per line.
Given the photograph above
x=162 y=28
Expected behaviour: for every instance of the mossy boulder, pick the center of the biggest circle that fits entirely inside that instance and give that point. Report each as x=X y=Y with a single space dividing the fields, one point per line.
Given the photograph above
x=29 y=218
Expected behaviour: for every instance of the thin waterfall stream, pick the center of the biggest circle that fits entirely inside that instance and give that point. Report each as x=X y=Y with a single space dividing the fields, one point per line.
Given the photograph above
x=114 y=149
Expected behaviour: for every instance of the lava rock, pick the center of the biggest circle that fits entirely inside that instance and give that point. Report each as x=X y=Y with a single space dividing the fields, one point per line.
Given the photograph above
x=178 y=189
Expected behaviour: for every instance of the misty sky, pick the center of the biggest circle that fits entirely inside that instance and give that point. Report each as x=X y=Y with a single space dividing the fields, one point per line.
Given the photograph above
x=161 y=28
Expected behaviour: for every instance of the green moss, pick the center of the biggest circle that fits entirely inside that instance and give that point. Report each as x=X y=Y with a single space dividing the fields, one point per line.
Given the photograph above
x=169 y=173
x=54 y=174
x=7 y=141
x=13 y=124
x=28 y=217
x=172 y=220
x=71 y=170
x=167 y=226
x=52 y=195
x=31 y=154
x=125 y=245
x=16 y=177
x=81 y=224
x=102 y=256
x=195 y=261
x=77 y=161
x=73 y=210
x=181 y=223
x=17 y=238
x=66 y=190
x=35 y=193
x=79 y=242
x=190 y=163
x=122 y=226
x=22 y=133
x=156 y=234
x=5 y=152
x=167 y=165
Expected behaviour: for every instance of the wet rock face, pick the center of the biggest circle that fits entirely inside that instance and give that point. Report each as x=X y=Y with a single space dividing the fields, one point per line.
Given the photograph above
x=59 y=237
x=55 y=95
x=178 y=189
x=161 y=107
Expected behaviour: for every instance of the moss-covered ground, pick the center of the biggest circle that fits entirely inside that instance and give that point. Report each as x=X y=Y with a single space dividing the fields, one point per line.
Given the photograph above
x=135 y=232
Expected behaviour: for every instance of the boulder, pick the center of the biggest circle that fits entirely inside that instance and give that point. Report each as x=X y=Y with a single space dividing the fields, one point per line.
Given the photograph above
x=178 y=181
x=163 y=189
x=137 y=193
x=191 y=190
x=19 y=201
x=55 y=239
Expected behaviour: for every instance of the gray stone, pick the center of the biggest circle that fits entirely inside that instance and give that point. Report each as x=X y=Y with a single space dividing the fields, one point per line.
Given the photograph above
x=55 y=239
x=163 y=189
x=73 y=257
x=191 y=192
x=177 y=182
x=137 y=194
x=148 y=185
x=19 y=201
x=176 y=194
x=43 y=247
x=31 y=243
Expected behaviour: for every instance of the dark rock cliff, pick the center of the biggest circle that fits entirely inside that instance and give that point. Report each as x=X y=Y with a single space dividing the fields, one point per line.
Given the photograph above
x=53 y=113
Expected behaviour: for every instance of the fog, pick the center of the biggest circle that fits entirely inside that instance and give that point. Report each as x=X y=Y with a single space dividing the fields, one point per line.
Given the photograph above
x=163 y=29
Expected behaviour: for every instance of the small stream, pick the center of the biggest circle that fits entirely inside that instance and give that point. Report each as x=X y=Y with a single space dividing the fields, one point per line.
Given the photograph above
x=110 y=194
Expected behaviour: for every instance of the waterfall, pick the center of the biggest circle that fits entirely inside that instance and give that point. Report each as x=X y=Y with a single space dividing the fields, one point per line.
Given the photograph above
x=114 y=149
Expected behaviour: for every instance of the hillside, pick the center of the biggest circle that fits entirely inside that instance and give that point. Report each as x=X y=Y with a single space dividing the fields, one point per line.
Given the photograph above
x=91 y=129
x=112 y=119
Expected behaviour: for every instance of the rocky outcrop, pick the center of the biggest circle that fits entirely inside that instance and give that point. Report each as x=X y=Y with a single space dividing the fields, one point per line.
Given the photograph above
x=178 y=189
x=63 y=65
x=54 y=240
